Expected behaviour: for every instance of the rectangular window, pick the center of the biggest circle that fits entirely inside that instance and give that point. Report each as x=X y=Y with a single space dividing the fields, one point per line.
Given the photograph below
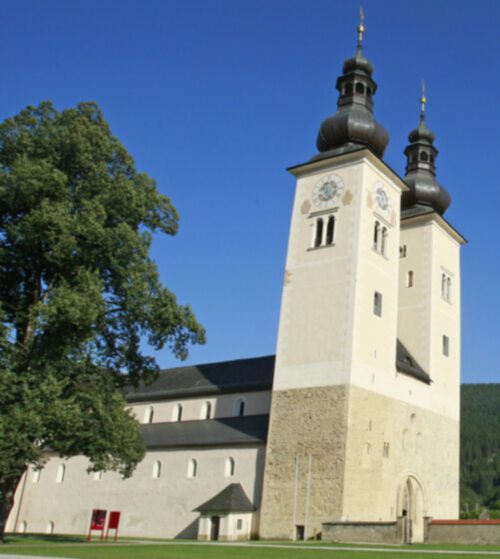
x=377 y=303
x=239 y=524
x=446 y=346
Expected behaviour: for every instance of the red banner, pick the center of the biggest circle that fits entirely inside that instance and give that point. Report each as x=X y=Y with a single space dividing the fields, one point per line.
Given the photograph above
x=98 y=519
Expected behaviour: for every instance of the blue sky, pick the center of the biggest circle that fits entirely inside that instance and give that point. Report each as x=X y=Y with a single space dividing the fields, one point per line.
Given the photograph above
x=216 y=98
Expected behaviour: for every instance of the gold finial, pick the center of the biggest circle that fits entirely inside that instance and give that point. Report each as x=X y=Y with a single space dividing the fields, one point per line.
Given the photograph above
x=361 y=26
x=423 y=100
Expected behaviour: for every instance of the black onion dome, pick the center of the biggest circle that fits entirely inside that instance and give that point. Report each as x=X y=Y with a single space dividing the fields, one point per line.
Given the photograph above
x=421 y=154
x=353 y=126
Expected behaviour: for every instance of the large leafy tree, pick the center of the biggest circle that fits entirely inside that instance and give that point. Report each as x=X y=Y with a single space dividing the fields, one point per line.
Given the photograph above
x=78 y=292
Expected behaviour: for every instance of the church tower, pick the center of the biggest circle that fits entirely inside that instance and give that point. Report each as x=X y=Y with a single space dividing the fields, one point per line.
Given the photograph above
x=364 y=415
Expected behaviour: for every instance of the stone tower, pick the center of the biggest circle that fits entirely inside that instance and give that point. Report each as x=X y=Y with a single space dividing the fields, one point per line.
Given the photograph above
x=364 y=420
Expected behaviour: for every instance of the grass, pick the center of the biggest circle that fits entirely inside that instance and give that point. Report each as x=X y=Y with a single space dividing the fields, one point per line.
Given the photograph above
x=76 y=547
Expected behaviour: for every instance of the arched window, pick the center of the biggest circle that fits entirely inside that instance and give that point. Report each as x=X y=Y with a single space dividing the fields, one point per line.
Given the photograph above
x=36 y=475
x=376 y=235
x=50 y=528
x=148 y=414
x=383 y=243
x=177 y=413
x=61 y=472
x=98 y=475
x=239 y=407
x=192 y=468
x=348 y=88
x=206 y=410
x=318 y=239
x=330 y=230
x=409 y=279
x=424 y=156
x=360 y=88
x=230 y=466
x=157 y=469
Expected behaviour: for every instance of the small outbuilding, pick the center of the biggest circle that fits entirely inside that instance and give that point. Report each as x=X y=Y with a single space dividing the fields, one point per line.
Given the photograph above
x=226 y=517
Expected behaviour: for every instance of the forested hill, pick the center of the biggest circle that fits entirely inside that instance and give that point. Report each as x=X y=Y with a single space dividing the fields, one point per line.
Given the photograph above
x=480 y=448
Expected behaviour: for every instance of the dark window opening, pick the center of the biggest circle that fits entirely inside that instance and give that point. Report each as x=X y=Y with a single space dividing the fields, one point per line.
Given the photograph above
x=330 y=228
x=319 y=233
x=360 y=88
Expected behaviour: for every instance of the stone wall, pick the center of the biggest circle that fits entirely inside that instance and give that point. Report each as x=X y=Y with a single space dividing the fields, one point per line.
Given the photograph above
x=304 y=461
x=364 y=532
x=485 y=532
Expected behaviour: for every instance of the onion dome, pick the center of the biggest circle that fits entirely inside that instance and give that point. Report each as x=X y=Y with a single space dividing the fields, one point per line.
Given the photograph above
x=421 y=169
x=353 y=127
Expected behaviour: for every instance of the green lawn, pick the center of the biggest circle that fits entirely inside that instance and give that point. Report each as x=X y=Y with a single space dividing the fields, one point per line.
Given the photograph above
x=75 y=547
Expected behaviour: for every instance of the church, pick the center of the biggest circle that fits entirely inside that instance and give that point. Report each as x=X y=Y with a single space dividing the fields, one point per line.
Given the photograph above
x=354 y=423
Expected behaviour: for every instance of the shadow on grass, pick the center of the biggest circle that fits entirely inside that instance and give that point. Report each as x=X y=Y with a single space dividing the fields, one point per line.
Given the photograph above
x=42 y=539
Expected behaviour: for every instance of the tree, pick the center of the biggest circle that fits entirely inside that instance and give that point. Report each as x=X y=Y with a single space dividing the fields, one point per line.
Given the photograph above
x=78 y=292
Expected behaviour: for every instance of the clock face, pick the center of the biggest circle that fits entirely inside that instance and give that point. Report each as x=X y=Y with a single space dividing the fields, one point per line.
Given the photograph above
x=328 y=189
x=382 y=197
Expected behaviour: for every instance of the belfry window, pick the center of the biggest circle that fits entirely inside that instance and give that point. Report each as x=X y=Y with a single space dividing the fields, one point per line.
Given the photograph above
x=360 y=88
x=319 y=233
x=323 y=233
x=330 y=230
x=376 y=235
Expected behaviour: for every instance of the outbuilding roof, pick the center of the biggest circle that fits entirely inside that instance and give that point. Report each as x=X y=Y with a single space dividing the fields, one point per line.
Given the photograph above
x=231 y=499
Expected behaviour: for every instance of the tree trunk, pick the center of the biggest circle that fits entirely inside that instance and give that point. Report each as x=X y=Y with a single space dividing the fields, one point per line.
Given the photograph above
x=8 y=486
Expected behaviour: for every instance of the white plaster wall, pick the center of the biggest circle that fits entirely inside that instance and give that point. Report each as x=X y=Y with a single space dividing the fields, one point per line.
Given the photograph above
x=150 y=507
x=256 y=403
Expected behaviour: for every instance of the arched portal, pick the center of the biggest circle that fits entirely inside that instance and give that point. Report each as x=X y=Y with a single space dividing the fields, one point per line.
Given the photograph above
x=411 y=507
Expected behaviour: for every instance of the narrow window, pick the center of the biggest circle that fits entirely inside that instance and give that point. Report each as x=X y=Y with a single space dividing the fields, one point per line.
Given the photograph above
x=383 y=244
x=230 y=466
x=377 y=303
x=239 y=407
x=148 y=414
x=157 y=469
x=36 y=475
x=386 y=450
x=443 y=286
x=348 y=88
x=206 y=412
x=98 y=475
x=61 y=472
x=330 y=230
x=177 y=413
x=402 y=251
x=409 y=279
x=239 y=524
x=446 y=346
x=448 y=289
x=319 y=233
x=192 y=468
x=376 y=235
